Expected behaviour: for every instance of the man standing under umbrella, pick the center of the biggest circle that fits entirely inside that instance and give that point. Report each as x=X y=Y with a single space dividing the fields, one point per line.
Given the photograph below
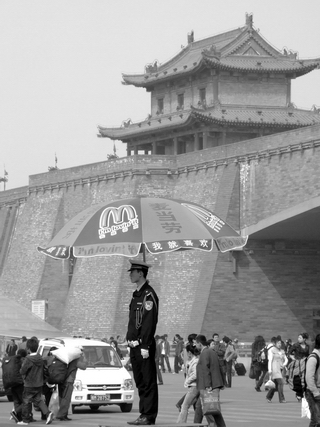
x=143 y=318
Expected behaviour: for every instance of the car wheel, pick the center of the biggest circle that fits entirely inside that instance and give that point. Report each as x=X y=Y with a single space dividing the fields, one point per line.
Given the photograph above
x=73 y=408
x=10 y=398
x=126 y=407
x=94 y=407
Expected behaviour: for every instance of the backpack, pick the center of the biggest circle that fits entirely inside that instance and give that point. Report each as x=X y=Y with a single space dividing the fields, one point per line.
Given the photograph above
x=56 y=371
x=297 y=373
x=263 y=355
x=11 y=376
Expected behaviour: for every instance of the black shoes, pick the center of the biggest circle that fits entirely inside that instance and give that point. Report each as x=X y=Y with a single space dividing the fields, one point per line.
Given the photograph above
x=141 y=421
x=64 y=419
x=257 y=389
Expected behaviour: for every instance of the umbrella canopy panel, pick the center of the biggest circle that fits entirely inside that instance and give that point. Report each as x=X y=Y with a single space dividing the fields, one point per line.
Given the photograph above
x=163 y=225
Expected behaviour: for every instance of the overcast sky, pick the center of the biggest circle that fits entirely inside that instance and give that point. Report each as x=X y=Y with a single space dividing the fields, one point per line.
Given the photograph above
x=61 y=65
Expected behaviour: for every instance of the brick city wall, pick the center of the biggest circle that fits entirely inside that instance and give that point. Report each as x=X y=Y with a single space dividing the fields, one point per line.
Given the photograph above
x=250 y=181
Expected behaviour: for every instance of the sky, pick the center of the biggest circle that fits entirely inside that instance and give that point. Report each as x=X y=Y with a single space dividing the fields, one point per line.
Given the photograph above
x=62 y=63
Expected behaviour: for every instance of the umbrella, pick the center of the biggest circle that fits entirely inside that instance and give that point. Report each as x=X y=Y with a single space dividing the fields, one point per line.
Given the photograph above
x=160 y=225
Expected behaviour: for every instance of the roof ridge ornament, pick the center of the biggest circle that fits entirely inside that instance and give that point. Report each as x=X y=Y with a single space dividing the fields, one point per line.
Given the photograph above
x=212 y=51
x=190 y=37
x=290 y=53
x=152 y=67
x=249 y=20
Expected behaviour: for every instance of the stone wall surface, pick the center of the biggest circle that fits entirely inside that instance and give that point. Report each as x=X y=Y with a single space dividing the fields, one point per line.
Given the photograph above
x=234 y=294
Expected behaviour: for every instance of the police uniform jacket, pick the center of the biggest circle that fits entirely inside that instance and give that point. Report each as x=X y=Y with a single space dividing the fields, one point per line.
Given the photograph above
x=143 y=316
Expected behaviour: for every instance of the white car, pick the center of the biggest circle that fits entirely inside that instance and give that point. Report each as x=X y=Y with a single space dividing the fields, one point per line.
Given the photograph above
x=104 y=382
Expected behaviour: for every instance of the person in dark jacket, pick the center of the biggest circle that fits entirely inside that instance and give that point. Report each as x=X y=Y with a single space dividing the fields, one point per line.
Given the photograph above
x=16 y=382
x=209 y=378
x=32 y=374
x=178 y=361
x=66 y=388
x=143 y=318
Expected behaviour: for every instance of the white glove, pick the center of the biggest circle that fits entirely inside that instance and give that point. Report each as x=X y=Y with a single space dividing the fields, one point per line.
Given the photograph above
x=144 y=353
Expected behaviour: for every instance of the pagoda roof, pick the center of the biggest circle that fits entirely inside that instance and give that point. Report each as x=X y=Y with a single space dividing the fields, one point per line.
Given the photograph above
x=220 y=115
x=242 y=50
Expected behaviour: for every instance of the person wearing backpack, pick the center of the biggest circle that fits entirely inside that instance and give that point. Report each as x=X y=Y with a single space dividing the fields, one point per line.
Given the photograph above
x=312 y=393
x=12 y=378
x=259 y=360
x=299 y=351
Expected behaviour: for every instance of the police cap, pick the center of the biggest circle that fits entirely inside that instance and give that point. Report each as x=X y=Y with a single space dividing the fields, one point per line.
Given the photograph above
x=138 y=265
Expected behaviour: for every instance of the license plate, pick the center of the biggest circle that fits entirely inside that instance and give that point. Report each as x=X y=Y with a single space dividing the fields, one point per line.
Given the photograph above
x=100 y=397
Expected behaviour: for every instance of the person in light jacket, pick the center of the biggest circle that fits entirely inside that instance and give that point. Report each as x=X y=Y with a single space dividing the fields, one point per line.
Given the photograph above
x=190 y=383
x=313 y=384
x=276 y=363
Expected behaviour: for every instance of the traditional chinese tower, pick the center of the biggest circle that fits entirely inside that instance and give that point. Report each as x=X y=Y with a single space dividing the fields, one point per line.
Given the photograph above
x=223 y=89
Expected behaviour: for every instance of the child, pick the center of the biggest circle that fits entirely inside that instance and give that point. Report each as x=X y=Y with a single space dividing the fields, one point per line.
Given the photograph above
x=32 y=374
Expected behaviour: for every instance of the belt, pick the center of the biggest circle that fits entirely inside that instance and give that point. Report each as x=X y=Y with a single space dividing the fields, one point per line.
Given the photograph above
x=133 y=344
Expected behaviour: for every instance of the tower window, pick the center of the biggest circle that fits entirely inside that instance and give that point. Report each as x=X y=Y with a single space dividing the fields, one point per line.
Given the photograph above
x=160 y=106
x=202 y=94
x=180 y=101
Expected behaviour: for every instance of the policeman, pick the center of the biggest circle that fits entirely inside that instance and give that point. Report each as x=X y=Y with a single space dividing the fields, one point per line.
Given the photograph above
x=143 y=318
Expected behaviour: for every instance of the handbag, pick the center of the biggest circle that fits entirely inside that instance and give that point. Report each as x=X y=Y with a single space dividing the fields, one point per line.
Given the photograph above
x=252 y=373
x=210 y=403
x=54 y=402
x=270 y=384
x=305 y=411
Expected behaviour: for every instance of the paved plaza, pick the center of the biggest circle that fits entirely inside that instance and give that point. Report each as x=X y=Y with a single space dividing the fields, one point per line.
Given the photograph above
x=241 y=406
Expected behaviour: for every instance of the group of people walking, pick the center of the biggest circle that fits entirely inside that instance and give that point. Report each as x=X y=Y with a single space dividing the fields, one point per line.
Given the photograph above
x=285 y=363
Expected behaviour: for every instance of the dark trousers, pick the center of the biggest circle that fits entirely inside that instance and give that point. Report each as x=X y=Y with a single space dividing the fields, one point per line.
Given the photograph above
x=145 y=377
x=279 y=388
x=211 y=419
x=314 y=407
x=32 y=395
x=229 y=373
x=177 y=364
x=164 y=357
x=17 y=396
x=260 y=375
x=159 y=371
x=65 y=392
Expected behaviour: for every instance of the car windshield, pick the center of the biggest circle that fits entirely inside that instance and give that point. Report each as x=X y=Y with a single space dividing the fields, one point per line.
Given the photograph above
x=101 y=356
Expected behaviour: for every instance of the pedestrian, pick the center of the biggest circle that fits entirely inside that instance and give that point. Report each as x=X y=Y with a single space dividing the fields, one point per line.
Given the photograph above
x=143 y=319
x=165 y=353
x=298 y=351
x=220 y=349
x=190 y=383
x=66 y=388
x=276 y=364
x=32 y=374
x=12 y=379
x=313 y=384
x=191 y=342
x=260 y=364
x=229 y=356
x=209 y=378
x=158 y=358
x=178 y=361
x=12 y=348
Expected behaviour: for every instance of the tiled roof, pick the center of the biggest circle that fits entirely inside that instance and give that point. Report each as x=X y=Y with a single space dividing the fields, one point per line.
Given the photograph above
x=150 y=125
x=262 y=117
x=288 y=118
x=262 y=64
x=243 y=49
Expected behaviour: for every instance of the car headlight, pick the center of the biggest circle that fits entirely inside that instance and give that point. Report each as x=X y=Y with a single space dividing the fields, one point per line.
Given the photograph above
x=128 y=384
x=77 y=385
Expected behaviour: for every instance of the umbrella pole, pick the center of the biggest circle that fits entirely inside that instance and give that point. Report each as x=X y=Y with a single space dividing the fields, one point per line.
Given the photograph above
x=143 y=252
